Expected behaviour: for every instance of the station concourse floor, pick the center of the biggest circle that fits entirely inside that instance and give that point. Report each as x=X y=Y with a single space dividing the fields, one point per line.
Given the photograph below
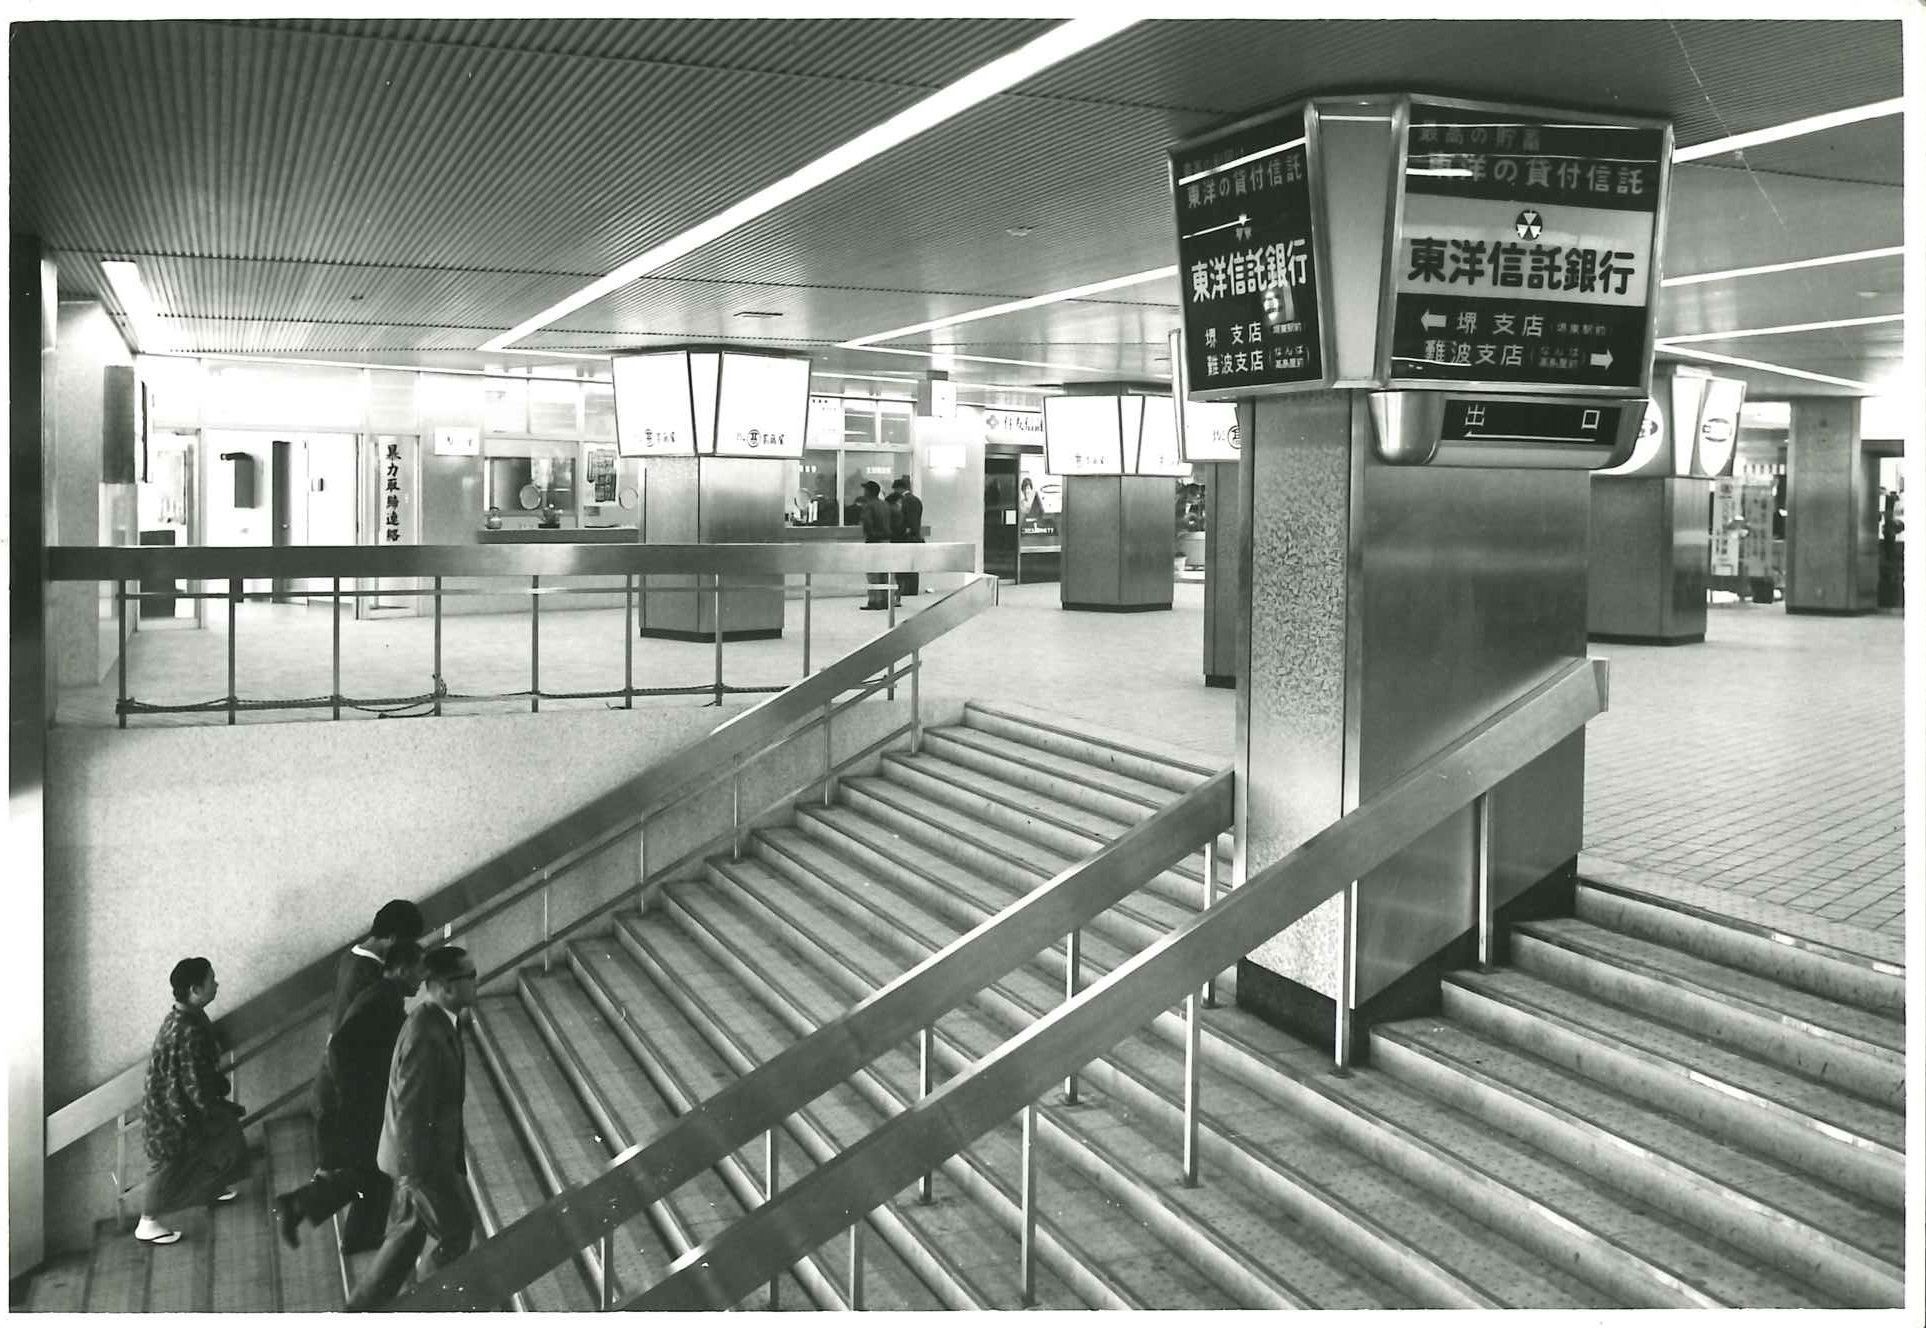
x=1760 y=773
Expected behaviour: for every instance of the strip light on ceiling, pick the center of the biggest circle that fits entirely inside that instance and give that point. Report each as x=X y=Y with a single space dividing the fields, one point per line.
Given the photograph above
x=1665 y=348
x=1827 y=325
x=950 y=355
x=979 y=85
x=1014 y=306
x=1812 y=124
x=1768 y=269
x=124 y=277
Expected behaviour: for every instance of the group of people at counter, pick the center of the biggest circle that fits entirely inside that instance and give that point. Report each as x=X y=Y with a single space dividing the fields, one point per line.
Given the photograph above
x=895 y=520
x=387 y=1099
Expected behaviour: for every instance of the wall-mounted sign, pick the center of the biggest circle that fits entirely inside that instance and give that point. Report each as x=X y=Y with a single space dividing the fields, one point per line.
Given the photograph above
x=1512 y=422
x=457 y=442
x=1524 y=250
x=1716 y=445
x=394 y=493
x=1245 y=264
x=1210 y=431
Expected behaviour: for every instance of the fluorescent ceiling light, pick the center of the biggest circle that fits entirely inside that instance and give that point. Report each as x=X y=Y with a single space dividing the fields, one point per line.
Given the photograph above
x=124 y=277
x=880 y=378
x=1788 y=327
x=979 y=85
x=1812 y=124
x=980 y=359
x=1763 y=367
x=1767 y=269
x=1014 y=306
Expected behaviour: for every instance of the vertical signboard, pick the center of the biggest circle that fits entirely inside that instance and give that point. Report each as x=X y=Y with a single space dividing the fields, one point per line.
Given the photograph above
x=1245 y=258
x=1524 y=250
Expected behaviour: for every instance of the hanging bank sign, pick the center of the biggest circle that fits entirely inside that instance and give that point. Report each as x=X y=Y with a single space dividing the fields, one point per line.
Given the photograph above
x=1246 y=260
x=1524 y=250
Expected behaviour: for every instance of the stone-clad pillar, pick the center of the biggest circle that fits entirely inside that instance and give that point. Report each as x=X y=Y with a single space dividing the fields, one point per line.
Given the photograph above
x=1832 y=517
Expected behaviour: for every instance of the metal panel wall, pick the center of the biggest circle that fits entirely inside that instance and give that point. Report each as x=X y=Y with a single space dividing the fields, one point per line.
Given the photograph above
x=1829 y=525
x=1650 y=556
x=1223 y=574
x=1117 y=542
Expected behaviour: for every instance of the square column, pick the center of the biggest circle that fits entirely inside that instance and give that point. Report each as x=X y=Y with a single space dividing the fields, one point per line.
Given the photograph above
x=711 y=500
x=1832 y=514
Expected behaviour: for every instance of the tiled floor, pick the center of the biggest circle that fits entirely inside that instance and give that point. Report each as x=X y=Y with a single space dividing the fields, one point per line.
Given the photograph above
x=1765 y=765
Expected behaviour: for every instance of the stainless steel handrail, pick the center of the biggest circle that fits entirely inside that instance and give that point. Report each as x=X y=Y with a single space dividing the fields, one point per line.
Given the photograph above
x=473 y=898
x=841 y=1191
x=726 y=1268
x=768 y=1095
x=71 y=562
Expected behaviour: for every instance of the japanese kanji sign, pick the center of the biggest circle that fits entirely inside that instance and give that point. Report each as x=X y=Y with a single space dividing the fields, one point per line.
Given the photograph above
x=1525 y=249
x=1245 y=261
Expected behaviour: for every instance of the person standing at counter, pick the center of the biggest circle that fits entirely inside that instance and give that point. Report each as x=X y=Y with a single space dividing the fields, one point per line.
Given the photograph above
x=910 y=583
x=873 y=513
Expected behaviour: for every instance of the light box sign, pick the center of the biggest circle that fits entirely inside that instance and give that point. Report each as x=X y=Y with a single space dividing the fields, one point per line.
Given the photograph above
x=1245 y=263
x=708 y=403
x=1157 y=450
x=1082 y=436
x=654 y=414
x=1524 y=253
x=1210 y=432
x=764 y=406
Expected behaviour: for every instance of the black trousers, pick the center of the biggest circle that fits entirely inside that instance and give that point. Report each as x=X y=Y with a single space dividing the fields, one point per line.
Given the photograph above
x=363 y=1190
x=429 y=1211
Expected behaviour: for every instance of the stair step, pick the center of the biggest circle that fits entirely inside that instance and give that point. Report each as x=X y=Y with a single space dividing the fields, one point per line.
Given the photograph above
x=1140 y=758
x=60 y=1285
x=1829 y=1133
x=1614 y=1242
x=1774 y=953
x=245 y=1247
x=965 y=743
x=981 y=1252
x=498 y=1166
x=1837 y=1044
x=117 y=1280
x=310 y=1274
x=1846 y=1247
x=1384 y=1221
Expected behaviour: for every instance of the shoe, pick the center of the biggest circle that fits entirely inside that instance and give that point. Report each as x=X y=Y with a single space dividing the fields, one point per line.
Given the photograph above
x=229 y=1195
x=287 y=1217
x=150 y=1232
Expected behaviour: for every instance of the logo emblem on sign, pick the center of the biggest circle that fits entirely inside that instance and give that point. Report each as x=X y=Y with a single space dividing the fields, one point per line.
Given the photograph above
x=1529 y=224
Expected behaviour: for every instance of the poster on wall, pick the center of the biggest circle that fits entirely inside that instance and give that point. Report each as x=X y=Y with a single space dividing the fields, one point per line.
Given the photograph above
x=1039 y=501
x=1525 y=250
x=599 y=469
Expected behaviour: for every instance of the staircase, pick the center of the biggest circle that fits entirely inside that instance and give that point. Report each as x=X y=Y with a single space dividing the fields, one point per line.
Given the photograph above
x=1650 y=1106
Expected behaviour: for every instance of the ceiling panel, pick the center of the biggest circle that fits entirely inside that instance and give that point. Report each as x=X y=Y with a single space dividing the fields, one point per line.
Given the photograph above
x=1866 y=152
x=1808 y=295
x=696 y=307
x=1722 y=219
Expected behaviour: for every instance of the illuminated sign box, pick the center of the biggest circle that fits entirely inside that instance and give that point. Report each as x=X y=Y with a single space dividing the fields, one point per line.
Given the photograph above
x=1127 y=434
x=711 y=403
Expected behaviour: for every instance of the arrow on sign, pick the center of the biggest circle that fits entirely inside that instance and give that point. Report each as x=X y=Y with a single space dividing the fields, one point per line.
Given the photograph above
x=1431 y=320
x=1602 y=359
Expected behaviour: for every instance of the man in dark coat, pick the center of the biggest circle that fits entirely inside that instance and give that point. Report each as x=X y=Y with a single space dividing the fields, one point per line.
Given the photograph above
x=421 y=1132
x=910 y=583
x=360 y=968
x=192 y=1126
x=873 y=512
x=349 y=1093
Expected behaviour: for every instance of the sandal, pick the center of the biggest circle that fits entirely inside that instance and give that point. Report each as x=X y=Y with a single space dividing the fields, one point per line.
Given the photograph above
x=164 y=1236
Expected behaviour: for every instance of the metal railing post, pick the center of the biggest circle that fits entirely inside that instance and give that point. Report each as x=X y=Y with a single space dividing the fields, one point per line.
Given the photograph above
x=735 y=816
x=1072 y=980
x=605 y=1255
x=1192 y=1037
x=120 y=595
x=1481 y=879
x=628 y=641
x=925 y=1068
x=1210 y=897
x=889 y=588
x=120 y=1168
x=439 y=688
x=1341 y=1031
x=916 y=700
x=771 y=1159
x=547 y=931
x=809 y=599
x=718 y=595
x=335 y=631
x=856 y=1264
x=829 y=759
x=1028 y=1247
x=233 y=599
x=534 y=644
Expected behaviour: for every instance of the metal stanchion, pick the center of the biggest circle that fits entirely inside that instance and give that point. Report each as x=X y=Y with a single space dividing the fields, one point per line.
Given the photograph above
x=439 y=688
x=916 y=700
x=535 y=644
x=829 y=756
x=735 y=816
x=336 y=632
x=1210 y=897
x=233 y=599
x=1028 y=1250
x=809 y=599
x=1192 y=1019
x=628 y=641
x=1481 y=879
x=1072 y=980
x=120 y=596
x=547 y=931
x=718 y=594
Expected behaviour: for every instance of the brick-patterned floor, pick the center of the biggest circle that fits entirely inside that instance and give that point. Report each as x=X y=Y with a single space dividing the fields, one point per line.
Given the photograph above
x=1765 y=765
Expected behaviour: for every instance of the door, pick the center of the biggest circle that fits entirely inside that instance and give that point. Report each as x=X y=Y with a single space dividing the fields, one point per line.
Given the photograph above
x=1000 y=519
